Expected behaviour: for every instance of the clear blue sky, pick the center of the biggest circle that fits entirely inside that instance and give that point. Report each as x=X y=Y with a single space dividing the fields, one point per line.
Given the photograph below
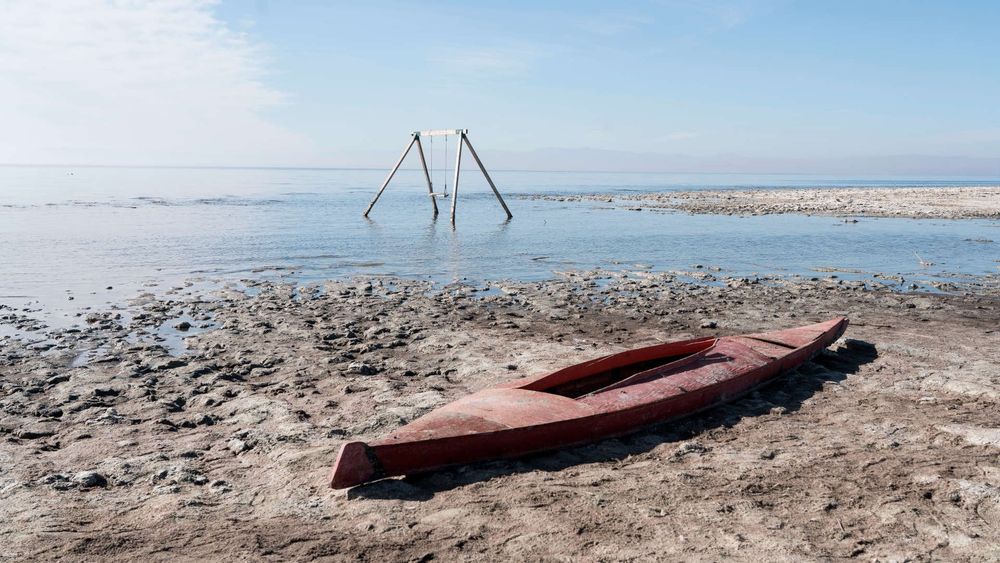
x=772 y=84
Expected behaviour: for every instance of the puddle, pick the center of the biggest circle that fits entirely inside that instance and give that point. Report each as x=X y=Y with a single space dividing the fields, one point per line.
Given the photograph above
x=170 y=337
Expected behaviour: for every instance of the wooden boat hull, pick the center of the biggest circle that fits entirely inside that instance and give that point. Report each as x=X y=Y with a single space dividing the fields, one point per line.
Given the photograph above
x=602 y=398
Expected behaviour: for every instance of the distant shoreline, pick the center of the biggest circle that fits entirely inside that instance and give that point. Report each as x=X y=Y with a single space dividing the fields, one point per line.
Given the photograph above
x=923 y=202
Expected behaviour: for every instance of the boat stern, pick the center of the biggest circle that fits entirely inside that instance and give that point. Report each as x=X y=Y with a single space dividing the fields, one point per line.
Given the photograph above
x=356 y=464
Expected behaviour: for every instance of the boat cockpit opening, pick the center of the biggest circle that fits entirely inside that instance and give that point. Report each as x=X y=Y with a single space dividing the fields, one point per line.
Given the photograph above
x=589 y=383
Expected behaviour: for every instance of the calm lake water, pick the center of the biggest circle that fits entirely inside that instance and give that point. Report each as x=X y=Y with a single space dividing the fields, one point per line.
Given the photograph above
x=77 y=231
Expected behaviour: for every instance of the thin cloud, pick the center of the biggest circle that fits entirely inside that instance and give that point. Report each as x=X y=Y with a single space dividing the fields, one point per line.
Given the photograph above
x=725 y=14
x=610 y=25
x=135 y=83
x=505 y=60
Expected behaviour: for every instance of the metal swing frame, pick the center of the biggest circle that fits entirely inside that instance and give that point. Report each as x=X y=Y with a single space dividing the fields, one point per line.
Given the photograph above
x=463 y=135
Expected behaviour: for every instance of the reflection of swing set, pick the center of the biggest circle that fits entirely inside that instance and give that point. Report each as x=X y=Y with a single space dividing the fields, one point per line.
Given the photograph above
x=462 y=138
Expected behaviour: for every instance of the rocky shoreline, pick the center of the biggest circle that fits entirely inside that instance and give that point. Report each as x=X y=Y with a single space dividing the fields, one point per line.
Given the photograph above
x=114 y=443
x=917 y=203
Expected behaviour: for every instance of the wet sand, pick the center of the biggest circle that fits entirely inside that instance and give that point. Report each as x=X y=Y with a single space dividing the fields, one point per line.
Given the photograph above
x=885 y=447
x=918 y=203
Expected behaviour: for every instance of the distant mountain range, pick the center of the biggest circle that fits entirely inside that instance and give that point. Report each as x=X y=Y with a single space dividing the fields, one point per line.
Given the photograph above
x=590 y=159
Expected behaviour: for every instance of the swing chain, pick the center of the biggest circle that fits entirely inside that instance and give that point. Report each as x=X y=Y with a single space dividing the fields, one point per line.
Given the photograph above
x=434 y=172
x=446 y=166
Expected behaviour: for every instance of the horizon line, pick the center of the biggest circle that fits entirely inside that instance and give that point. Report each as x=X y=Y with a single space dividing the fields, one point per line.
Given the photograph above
x=551 y=171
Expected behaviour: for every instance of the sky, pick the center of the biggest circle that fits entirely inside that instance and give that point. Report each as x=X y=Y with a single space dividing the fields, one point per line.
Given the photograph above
x=773 y=86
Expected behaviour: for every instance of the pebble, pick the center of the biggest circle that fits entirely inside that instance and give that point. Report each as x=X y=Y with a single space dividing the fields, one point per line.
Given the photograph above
x=709 y=324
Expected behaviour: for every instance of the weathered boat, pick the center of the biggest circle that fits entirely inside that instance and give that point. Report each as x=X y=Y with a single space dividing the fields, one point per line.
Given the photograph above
x=601 y=398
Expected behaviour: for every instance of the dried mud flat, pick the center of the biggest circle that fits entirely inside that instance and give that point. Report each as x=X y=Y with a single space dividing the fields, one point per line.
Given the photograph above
x=883 y=448
x=919 y=203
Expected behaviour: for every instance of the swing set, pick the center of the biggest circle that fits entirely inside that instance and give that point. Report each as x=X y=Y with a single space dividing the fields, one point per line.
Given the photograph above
x=463 y=138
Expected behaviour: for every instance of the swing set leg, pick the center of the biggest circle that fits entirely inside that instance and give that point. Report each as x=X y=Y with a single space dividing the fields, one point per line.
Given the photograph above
x=454 y=187
x=427 y=175
x=392 y=173
x=496 y=192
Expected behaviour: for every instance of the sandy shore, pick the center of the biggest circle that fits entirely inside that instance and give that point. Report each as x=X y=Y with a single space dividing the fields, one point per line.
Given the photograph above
x=885 y=447
x=920 y=203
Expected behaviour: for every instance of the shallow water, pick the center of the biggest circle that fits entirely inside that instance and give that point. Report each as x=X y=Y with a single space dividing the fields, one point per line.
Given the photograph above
x=78 y=231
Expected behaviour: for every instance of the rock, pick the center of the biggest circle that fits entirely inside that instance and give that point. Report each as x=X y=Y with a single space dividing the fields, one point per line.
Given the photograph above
x=707 y=323
x=199 y=371
x=58 y=481
x=57 y=379
x=90 y=479
x=182 y=326
x=689 y=448
x=171 y=363
x=375 y=331
x=173 y=405
x=109 y=416
x=36 y=431
x=206 y=420
x=362 y=368
x=238 y=446
x=220 y=486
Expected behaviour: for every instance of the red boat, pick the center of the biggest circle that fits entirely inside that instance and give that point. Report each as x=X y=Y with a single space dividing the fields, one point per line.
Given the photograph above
x=605 y=397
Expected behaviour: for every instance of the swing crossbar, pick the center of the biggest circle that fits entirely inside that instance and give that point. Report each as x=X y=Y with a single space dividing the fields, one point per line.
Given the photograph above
x=439 y=132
